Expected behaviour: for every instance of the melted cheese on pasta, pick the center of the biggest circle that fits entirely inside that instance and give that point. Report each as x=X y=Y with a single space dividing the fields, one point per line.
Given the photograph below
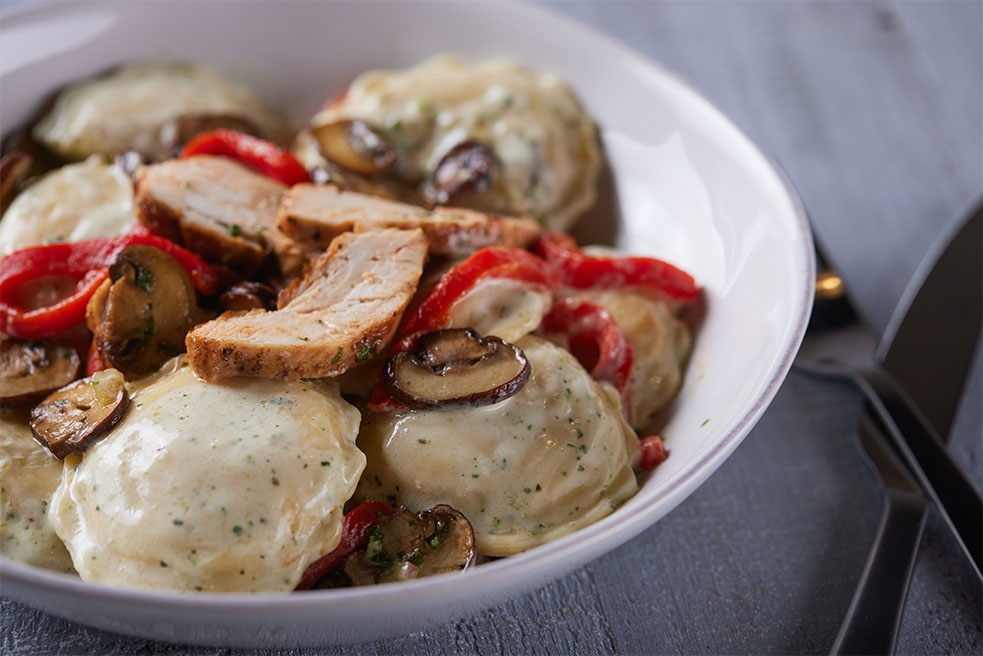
x=545 y=142
x=554 y=458
x=87 y=200
x=231 y=486
x=126 y=109
x=29 y=475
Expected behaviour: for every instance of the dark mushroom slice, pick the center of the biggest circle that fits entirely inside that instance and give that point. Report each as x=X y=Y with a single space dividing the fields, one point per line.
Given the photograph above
x=141 y=316
x=248 y=296
x=354 y=145
x=408 y=545
x=31 y=370
x=469 y=166
x=71 y=418
x=457 y=367
x=15 y=167
x=174 y=134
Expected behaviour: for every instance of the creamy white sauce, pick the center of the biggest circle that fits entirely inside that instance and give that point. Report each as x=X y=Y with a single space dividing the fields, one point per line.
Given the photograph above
x=126 y=109
x=501 y=307
x=231 y=486
x=29 y=475
x=545 y=142
x=81 y=201
x=554 y=458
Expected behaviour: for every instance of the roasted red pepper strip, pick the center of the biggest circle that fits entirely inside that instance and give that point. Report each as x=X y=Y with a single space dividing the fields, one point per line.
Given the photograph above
x=433 y=313
x=87 y=262
x=258 y=154
x=653 y=453
x=582 y=271
x=596 y=341
x=354 y=534
x=512 y=263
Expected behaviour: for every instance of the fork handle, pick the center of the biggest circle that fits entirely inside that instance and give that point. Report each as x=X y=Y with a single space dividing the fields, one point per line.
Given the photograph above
x=957 y=500
x=871 y=623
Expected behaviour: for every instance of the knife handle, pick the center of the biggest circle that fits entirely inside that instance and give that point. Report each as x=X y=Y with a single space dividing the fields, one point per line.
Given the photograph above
x=871 y=623
x=957 y=500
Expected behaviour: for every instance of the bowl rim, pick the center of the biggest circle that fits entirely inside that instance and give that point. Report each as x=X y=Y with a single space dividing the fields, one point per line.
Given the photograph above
x=567 y=548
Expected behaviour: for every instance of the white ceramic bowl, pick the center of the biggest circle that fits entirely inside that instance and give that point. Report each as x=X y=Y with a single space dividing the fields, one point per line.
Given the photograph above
x=692 y=189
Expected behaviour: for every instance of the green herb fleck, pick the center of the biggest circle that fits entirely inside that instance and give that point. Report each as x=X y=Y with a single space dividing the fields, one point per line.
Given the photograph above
x=423 y=441
x=325 y=463
x=416 y=557
x=705 y=422
x=433 y=541
x=304 y=339
x=144 y=278
x=237 y=529
x=235 y=230
x=179 y=522
x=276 y=481
x=337 y=356
x=539 y=488
x=363 y=353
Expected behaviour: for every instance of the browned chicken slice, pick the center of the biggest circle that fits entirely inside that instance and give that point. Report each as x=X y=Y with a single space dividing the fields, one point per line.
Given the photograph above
x=318 y=213
x=344 y=309
x=217 y=208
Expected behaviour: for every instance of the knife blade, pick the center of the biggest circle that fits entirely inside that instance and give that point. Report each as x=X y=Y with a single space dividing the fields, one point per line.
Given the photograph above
x=940 y=304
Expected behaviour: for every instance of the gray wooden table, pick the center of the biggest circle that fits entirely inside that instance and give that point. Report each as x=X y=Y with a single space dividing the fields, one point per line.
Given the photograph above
x=874 y=109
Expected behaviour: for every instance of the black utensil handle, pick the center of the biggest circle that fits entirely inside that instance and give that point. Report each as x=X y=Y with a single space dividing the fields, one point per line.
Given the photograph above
x=957 y=500
x=871 y=623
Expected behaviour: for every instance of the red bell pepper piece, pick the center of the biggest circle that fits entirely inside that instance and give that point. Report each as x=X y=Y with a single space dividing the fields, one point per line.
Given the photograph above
x=653 y=453
x=258 y=154
x=87 y=262
x=582 y=271
x=596 y=341
x=433 y=313
x=354 y=534
x=512 y=263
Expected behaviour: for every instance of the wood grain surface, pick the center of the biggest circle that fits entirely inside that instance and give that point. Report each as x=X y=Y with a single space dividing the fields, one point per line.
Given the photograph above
x=875 y=111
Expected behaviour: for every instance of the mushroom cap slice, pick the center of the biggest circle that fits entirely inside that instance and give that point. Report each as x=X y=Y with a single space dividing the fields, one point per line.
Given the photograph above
x=408 y=545
x=72 y=417
x=457 y=367
x=30 y=370
x=470 y=166
x=141 y=320
x=354 y=145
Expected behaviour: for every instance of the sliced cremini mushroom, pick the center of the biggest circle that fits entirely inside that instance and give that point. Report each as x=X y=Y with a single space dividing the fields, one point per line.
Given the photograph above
x=15 y=167
x=174 y=134
x=248 y=296
x=467 y=167
x=354 y=145
x=71 y=418
x=32 y=370
x=457 y=367
x=409 y=545
x=141 y=315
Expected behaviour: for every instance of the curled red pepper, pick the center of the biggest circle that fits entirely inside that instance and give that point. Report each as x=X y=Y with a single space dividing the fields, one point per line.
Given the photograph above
x=262 y=156
x=433 y=313
x=653 y=452
x=596 y=341
x=85 y=261
x=354 y=534
x=582 y=271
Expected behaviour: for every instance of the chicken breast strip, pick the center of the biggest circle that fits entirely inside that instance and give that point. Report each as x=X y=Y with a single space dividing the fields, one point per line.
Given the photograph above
x=316 y=214
x=344 y=309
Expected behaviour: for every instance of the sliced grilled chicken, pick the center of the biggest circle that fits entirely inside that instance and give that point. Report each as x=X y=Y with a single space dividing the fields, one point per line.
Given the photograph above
x=217 y=208
x=318 y=213
x=344 y=309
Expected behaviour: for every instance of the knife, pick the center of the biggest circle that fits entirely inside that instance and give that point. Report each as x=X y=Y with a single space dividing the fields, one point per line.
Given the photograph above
x=930 y=342
x=871 y=622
